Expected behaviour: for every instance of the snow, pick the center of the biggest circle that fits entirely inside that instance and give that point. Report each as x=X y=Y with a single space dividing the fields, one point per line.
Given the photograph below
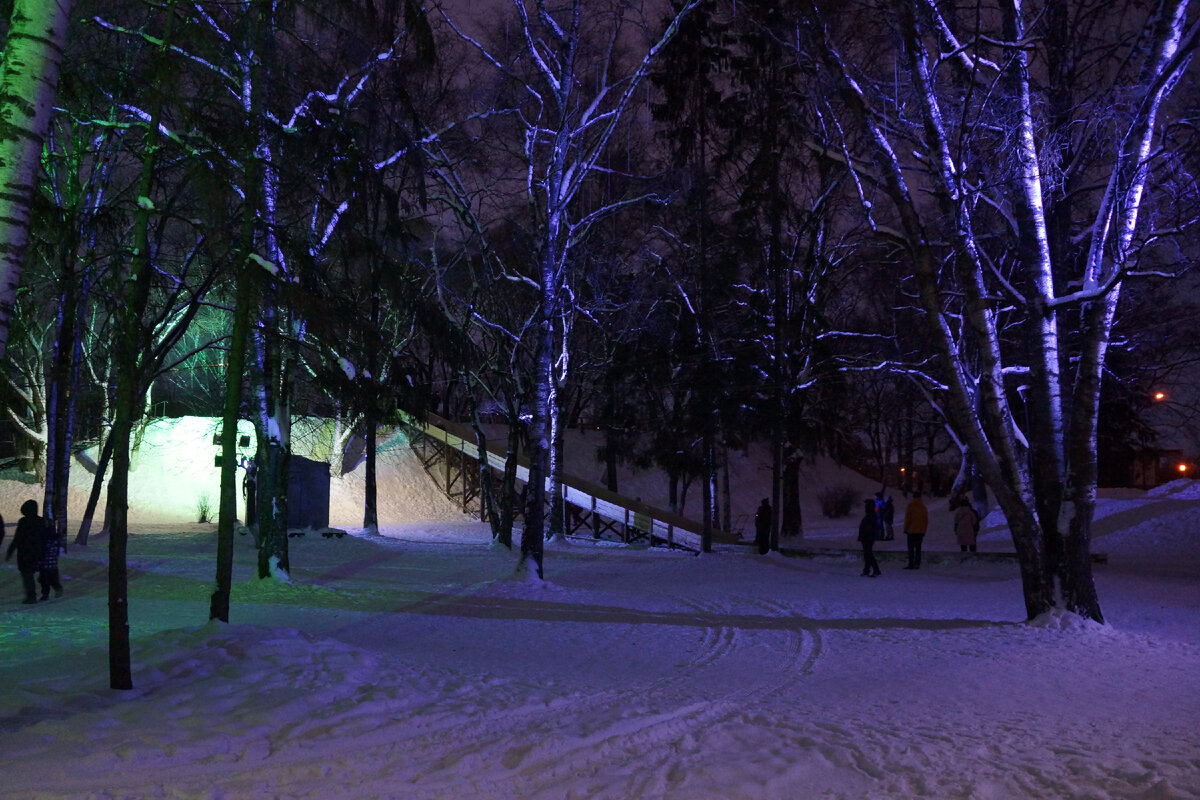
x=418 y=663
x=266 y=264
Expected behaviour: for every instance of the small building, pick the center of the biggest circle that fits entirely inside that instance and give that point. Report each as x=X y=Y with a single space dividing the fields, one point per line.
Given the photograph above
x=1144 y=469
x=307 y=493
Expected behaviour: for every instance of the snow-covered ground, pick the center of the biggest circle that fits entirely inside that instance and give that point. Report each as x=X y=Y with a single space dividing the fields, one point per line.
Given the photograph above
x=414 y=664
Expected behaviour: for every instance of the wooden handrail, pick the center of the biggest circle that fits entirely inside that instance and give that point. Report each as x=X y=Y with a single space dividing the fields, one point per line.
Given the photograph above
x=593 y=497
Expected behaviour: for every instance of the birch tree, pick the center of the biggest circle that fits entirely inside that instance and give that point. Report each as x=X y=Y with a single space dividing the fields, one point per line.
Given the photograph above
x=37 y=35
x=570 y=108
x=954 y=147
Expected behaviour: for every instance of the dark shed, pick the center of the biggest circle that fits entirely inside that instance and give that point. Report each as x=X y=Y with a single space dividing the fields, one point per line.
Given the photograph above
x=308 y=493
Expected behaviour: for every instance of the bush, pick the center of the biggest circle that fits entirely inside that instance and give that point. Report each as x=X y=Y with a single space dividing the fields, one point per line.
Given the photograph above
x=837 y=501
x=203 y=507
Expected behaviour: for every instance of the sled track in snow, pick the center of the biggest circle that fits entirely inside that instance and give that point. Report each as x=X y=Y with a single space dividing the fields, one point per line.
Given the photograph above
x=684 y=707
x=518 y=742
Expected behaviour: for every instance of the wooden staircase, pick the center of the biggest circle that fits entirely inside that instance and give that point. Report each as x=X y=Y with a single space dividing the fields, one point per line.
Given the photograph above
x=450 y=456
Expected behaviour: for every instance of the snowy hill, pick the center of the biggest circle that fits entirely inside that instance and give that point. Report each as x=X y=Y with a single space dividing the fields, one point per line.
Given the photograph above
x=174 y=465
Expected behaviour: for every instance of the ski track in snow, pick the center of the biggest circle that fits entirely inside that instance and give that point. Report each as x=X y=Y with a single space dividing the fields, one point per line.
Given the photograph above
x=416 y=665
x=749 y=691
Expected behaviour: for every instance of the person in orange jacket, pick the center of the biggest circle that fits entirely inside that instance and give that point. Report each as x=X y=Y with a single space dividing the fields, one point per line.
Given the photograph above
x=916 y=523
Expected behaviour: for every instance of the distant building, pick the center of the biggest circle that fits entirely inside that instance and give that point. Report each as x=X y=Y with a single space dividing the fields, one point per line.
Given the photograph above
x=1145 y=469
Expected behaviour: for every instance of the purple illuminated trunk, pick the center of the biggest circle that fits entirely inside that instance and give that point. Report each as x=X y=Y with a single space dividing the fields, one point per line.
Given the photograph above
x=539 y=426
x=1045 y=426
x=539 y=450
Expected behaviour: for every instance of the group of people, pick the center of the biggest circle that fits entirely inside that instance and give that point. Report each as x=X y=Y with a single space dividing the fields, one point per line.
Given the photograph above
x=877 y=521
x=37 y=545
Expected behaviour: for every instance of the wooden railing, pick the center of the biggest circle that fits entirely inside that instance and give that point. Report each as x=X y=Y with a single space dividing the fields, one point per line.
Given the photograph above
x=592 y=509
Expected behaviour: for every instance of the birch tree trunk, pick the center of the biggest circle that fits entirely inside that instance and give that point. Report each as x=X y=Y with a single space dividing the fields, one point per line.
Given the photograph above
x=1045 y=428
x=1172 y=41
x=37 y=35
x=532 y=534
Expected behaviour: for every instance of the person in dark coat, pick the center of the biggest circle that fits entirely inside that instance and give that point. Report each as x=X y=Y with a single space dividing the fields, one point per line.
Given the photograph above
x=48 y=566
x=867 y=531
x=250 y=490
x=28 y=541
x=762 y=527
x=887 y=518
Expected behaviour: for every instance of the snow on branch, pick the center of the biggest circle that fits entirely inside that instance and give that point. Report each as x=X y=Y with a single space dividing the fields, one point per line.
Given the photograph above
x=592 y=155
x=330 y=227
x=958 y=50
x=433 y=138
x=487 y=55
x=157 y=42
x=332 y=98
x=900 y=369
x=144 y=116
x=548 y=74
x=580 y=228
x=272 y=269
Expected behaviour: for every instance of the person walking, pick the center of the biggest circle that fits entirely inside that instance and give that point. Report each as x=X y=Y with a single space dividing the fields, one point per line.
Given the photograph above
x=887 y=518
x=48 y=566
x=28 y=541
x=867 y=531
x=916 y=523
x=966 y=525
x=762 y=527
x=250 y=490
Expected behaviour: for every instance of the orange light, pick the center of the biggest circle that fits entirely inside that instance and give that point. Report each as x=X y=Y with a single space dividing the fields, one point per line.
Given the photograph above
x=1160 y=395
x=1183 y=467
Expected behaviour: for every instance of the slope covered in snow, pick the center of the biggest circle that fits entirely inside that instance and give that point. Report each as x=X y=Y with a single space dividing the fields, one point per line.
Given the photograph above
x=418 y=664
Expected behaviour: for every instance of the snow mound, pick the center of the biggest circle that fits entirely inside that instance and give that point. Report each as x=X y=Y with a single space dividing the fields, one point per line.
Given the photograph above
x=174 y=471
x=1065 y=621
x=1182 y=489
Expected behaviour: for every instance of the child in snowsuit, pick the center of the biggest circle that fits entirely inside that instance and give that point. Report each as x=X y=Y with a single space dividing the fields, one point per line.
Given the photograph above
x=48 y=566
x=28 y=542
